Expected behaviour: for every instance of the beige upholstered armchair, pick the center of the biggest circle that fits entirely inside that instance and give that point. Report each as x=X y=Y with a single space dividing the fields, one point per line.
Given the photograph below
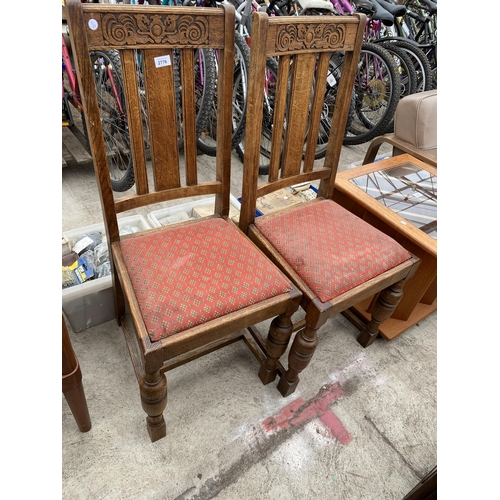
x=415 y=129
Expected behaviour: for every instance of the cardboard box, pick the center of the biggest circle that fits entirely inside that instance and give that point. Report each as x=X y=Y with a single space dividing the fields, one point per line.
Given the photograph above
x=92 y=302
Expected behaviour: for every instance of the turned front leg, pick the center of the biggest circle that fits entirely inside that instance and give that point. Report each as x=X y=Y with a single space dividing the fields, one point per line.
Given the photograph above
x=278 y=337
x=386 y=302
x=303 y=347
x=153 y=389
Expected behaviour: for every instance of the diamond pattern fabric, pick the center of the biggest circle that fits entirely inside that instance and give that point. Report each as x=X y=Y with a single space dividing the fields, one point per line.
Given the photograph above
x=331 y=249
x=188 y=275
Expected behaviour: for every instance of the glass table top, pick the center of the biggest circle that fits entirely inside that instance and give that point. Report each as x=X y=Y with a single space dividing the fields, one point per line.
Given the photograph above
x=407 y=190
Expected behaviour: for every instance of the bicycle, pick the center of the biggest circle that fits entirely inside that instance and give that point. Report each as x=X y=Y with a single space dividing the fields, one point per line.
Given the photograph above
x=419 y=24
x=110 y=94
x=406 y=37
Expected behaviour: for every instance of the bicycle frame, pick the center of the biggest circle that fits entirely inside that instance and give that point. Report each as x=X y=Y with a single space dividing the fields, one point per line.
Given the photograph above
x=73 y=92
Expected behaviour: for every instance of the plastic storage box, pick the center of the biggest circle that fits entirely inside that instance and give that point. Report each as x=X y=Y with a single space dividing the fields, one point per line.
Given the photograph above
x=92 y=302
x=187 y=210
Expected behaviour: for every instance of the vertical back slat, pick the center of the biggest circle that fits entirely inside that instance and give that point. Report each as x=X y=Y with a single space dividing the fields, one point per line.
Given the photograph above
x=189 y=114
x=279 y=116
x=160 y=89
x=298 y=112
x=317 y=107
x=253 y=126
x=342 y=106
x=134 y=117
x=225 y=80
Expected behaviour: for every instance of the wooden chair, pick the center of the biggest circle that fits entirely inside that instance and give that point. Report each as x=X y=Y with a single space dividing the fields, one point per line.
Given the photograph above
x=333 y=257
x=189 y=288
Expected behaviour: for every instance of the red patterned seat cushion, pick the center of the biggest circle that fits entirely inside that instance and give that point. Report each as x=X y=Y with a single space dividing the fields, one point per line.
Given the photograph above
x=188 y=275
x=331 y=249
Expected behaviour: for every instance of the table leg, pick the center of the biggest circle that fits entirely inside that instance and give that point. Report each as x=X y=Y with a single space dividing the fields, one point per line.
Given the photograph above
x=72 y=386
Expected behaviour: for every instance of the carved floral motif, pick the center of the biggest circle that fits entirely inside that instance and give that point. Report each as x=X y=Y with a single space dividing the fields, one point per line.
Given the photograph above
x=310 y=36
x=124 y=29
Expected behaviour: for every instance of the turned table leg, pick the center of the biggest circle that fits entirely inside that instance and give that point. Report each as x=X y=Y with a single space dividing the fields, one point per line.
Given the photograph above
x=72 y=386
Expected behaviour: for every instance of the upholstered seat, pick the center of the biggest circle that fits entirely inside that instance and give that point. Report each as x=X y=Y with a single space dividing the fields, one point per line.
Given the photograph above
x=331 y=249
x=189 y=275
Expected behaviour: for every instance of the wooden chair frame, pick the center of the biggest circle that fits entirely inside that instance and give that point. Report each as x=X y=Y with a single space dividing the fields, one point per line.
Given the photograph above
x=297 y=39
x=157 y=31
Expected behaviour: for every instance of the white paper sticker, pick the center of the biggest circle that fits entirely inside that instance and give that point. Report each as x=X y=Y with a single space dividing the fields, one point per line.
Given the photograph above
x=331 y=80
x=93 y=24
x=162 y=61
x=82 y=244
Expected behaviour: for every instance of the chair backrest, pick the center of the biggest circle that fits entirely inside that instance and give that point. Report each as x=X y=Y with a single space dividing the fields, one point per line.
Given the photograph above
x=168 y=40
x=304 y=46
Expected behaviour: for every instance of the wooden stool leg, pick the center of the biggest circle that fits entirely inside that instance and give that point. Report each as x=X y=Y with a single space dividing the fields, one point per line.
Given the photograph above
x=72 y=386
x=386 y=302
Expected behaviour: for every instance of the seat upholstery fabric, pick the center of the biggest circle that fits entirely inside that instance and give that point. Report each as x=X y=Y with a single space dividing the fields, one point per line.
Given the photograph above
x=188 y=275
x=331 y=249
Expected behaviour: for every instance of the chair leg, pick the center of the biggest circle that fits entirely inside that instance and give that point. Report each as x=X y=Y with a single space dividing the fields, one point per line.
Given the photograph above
x=386 y=302
x=278 y=337
x=302 y=350
x=119 y=298
x=153 y=388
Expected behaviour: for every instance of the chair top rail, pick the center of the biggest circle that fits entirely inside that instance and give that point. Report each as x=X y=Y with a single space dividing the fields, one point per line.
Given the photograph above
x=142 y=27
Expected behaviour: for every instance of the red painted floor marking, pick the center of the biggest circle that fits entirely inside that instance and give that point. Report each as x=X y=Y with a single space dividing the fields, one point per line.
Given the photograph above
x=300 y=411
x=335 y=426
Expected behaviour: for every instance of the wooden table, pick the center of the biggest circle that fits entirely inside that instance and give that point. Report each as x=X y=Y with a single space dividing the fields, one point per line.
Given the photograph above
x=398 y=196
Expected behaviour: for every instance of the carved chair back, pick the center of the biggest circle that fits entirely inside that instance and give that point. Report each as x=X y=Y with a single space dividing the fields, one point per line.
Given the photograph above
x=304 y=49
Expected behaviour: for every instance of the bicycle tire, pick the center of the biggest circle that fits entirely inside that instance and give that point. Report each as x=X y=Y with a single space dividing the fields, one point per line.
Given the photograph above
x=113 y=120
x=407 y=73
x=376 y=86
x=205 y=91
x=208 y=137
x=421 y=64
x=333 y=78
x=267 y=120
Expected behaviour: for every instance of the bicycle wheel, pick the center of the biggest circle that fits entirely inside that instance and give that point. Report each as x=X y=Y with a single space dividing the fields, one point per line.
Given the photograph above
x=377 y=89
x=205 y=90
x=111 y=101
x=333 y=78
x=407 y=74
x=207 y=141
x=430 y=52
x=420 y=62
x=267 y=119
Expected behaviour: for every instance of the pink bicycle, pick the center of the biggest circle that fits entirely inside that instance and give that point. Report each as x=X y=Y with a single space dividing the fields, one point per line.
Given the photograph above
x=108 y=81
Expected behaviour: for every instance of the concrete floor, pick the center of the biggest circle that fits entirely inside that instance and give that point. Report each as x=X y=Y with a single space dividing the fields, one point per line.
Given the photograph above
x=366 y=429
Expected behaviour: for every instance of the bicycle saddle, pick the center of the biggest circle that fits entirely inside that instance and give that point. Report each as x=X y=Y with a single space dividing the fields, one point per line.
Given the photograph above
x=395 y=10
x=364 y=7
x=378 y=13
x=316 y=4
